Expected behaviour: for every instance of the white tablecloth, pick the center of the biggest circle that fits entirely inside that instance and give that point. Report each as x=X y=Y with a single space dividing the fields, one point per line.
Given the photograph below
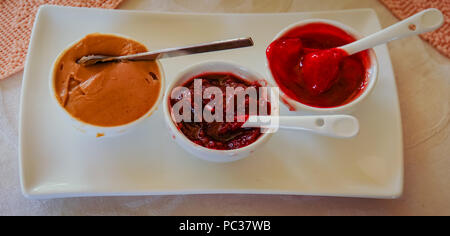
x=424 y=86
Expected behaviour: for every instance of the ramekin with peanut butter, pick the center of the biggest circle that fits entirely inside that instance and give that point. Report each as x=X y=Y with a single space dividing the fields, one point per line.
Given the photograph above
x=105 y=99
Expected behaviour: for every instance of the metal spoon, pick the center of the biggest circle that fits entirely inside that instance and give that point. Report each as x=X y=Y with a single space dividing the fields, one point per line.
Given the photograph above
x=171 y=52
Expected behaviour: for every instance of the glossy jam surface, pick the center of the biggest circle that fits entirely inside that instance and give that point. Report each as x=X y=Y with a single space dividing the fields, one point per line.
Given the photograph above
x=219 y=135
x=308 y=71
x=108 y=94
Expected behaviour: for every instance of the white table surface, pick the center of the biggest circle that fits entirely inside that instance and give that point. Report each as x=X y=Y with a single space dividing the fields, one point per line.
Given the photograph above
x=424 y=88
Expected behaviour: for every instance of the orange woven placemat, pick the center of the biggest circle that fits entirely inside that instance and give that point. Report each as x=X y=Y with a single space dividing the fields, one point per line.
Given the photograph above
x=16 y=22
x=405 y=8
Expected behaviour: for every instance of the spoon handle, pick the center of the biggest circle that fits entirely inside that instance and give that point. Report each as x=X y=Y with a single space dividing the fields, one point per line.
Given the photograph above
x=193 y=49
x=337 y=126
x=424 y=21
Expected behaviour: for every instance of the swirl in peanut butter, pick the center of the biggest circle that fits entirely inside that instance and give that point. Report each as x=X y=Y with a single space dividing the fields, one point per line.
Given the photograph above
x=106 y=94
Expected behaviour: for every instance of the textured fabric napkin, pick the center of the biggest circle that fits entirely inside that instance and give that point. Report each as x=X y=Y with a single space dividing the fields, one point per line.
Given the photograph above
x=16 y=22
x=405 y=8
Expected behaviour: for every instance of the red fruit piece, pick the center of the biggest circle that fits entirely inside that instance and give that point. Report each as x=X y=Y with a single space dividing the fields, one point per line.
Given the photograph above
x=320 y=69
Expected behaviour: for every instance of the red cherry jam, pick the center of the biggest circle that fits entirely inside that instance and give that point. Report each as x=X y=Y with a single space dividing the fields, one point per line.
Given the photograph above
x=294 y=63
x=219 y=135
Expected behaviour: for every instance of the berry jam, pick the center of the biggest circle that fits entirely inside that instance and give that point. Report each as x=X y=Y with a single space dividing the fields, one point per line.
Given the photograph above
x=219 y=135
x=293 y=61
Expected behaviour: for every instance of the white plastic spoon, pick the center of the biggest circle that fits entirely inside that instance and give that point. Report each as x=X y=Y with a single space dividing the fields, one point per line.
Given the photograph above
x=337 y=126
x=422 y=22
x=321 y=67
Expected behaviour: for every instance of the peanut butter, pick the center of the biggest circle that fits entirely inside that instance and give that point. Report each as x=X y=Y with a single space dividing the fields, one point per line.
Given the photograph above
x=106 y=94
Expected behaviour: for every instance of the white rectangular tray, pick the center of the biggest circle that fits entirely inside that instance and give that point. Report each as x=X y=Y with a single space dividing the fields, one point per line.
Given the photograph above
x=57 y=161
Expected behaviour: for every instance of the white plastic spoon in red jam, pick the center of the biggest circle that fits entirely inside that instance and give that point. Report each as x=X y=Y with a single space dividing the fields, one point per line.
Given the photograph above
x=320 y=68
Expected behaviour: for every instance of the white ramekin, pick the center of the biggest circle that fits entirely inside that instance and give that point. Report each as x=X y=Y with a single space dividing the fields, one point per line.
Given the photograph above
x=301 y=108
x=102 y=131
x=220 y=156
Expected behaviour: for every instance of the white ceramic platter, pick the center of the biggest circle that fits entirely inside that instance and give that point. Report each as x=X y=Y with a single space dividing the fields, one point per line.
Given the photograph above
x=58 y=161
